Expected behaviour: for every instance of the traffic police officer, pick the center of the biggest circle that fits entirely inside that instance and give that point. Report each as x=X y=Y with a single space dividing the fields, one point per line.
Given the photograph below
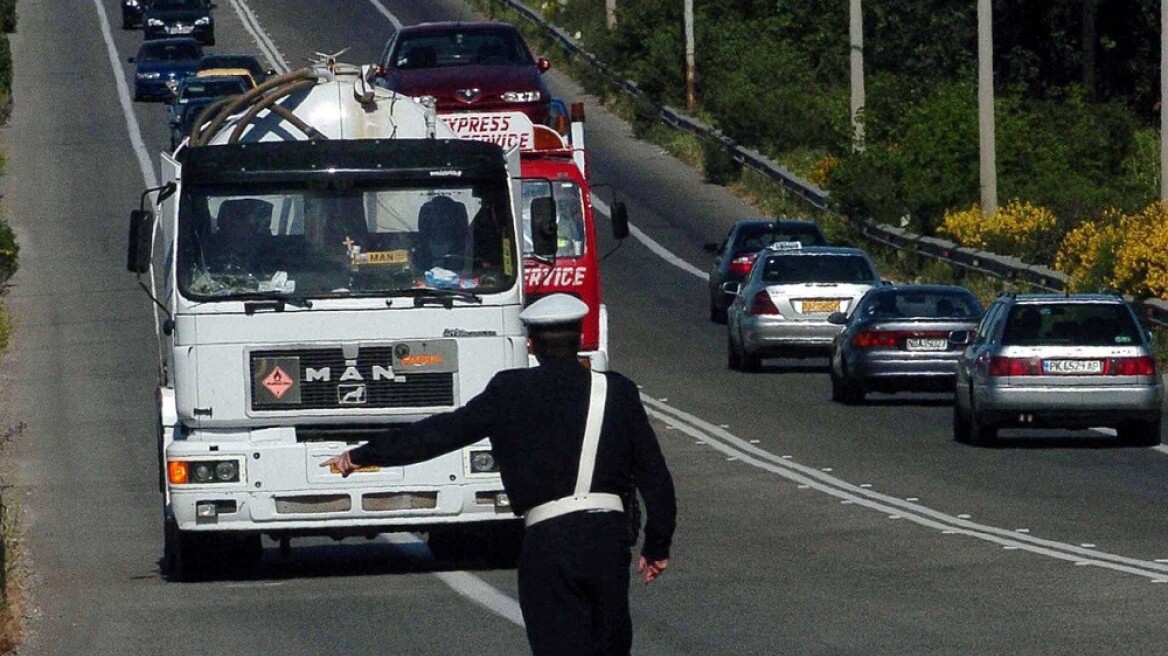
x=571 y=445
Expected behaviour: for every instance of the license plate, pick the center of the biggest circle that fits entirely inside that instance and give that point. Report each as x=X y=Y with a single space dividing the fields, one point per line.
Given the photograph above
x=926 y=344
x=821 y=305
x=180 y=29
x=1072 y=367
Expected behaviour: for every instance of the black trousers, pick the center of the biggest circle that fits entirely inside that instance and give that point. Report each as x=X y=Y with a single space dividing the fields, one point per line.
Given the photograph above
x=574 y=585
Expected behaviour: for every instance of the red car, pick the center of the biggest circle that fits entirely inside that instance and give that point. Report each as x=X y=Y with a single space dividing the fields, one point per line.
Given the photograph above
x=478 y=67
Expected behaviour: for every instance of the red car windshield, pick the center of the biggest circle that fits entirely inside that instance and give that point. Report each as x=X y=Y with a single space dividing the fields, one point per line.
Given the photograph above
x=461 y=48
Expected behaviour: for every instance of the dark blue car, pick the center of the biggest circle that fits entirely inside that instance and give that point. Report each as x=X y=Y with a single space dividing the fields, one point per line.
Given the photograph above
x=161 y=64
x=171 y=18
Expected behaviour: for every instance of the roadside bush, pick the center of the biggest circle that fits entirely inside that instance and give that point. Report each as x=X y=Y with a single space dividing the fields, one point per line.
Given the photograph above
x=5 y=65
x=1128 y=253
x=1018 y=228
x=9 y=252
x=8 y=16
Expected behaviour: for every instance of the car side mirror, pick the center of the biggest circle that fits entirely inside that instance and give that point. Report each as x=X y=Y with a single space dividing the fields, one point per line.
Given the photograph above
x=837 y=319
x=961 y=337
x=731 y=287
x=887 y=283
x=543 y=64
x=140 y=241
x=543 y=226
x=132 y=60
x=620 y=220
x=1150 y=336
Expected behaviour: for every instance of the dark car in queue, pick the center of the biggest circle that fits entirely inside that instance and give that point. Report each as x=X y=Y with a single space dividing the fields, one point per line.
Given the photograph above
x=198 y=92
x=227 y=61
x=163 y=63
x=781 y=308
x=171 y=18
x=132 y=13
x=1059 y=361
x=901 y=338
x=466 y=67
x=734 y=257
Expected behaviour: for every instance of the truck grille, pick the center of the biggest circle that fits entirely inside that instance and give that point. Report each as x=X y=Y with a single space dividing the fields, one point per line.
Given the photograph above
x=309 y=379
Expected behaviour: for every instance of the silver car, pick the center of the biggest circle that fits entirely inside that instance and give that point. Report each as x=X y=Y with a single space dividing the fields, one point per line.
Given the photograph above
x=1055 y=361
x=781 y=308
x=901 y=338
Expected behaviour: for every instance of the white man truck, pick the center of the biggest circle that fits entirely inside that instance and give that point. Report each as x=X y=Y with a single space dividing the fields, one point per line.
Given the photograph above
x=327 y=260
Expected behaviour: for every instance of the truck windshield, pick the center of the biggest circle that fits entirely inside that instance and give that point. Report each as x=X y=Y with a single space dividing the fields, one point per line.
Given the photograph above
x=569 y=216
x=370 y=239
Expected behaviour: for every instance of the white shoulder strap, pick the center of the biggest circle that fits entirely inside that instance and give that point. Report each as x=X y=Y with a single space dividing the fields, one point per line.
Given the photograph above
x=592 y=433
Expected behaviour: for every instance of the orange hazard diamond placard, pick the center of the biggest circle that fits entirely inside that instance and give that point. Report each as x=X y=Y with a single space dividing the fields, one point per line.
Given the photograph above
x=278 y=382
x=275 y=381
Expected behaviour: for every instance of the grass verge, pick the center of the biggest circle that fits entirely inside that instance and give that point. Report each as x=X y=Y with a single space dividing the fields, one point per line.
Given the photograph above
x=12 y=606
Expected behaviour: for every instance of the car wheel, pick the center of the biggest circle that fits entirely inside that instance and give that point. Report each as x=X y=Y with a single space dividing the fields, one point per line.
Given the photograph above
x=197 y=556
x=733 y=358
x=980 y=434
x=1140 y=433
x=960 y=425
x=844 y=390
x=717 y=315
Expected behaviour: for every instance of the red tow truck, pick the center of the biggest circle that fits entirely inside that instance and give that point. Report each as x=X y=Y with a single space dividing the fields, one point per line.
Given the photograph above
x=555 y=163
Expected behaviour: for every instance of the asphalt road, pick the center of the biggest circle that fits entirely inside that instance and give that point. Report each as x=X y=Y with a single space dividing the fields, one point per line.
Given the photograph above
x=805 y=527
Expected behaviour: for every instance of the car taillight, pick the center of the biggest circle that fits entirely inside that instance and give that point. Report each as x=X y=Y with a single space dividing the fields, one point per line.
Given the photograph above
x=1001 y=366
x=740 y=266
x=1139 y=366
x=878 y=339
x=762 y=304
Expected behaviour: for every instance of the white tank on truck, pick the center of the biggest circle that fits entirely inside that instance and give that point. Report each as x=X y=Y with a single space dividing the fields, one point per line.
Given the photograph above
x=326 y=261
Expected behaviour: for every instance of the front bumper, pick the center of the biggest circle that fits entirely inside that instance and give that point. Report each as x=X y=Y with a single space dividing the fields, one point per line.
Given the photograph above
x=205 y=34
x=283 y=490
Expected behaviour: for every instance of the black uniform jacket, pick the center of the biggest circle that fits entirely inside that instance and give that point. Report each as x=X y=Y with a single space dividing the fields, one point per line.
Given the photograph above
x=535 y=419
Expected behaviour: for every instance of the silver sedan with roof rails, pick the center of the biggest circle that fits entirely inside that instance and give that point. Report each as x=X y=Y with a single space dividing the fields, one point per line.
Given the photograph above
x=781 y=308
x=901 y=338
x=1059 y=361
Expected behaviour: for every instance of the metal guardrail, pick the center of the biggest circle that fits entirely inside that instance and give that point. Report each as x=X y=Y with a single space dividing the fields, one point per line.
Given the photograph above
x=1000 y=266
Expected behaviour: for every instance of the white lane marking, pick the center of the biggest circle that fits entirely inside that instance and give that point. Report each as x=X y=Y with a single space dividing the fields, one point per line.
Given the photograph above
x=892 y=507
x=132 y=127
x=263 y=41
x=466 y=584
x=397 y=24
x=652 y=245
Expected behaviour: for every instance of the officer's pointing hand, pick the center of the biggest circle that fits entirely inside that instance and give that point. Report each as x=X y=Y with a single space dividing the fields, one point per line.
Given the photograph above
x=342 y=464
x=651 y=569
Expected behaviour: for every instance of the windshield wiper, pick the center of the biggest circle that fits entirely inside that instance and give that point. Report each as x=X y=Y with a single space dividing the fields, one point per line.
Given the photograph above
x=271 y=301
x=444 y=297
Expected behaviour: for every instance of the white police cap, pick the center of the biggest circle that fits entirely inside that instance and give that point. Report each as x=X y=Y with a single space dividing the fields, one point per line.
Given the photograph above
x=554 y=309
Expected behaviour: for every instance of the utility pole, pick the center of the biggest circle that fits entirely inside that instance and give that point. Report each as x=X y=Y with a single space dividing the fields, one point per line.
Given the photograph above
x=691 y=99
x=985 y=106
x=609 y=13
x=1164 y=100
x=856 y=34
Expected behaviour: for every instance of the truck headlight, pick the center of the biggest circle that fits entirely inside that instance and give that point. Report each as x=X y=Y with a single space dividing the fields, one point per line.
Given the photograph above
x=203 y=472
x=483 y=462
x=521 y=96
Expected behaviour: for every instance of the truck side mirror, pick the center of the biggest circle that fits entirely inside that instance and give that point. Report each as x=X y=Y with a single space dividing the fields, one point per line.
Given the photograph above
x=140 y=242
x=543 y=226
x=620 y=220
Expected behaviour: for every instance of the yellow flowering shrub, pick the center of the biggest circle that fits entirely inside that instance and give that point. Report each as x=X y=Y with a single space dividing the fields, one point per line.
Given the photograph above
x=821 y=170
x=1087 y=253
x=1127 y=253
x=1141 y=262
x=1017 y=228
